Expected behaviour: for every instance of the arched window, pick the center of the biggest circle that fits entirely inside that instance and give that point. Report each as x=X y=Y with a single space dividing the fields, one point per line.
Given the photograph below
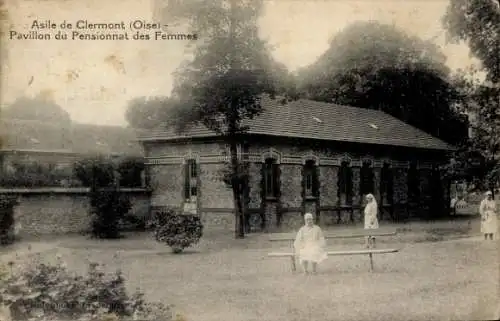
x=190 y=179
x=386 y=184
x=366 y=185
x=270 y=178
x=413 y=182
x=436 y=186
x=344 y=183
x=310 y=179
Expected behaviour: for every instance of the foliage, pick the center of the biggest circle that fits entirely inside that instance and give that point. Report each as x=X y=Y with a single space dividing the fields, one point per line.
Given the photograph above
x=109 y=206
x=104 y=171
x=477 y=22
x=7 y=204
x=39 y=108
x=30 y=175
x=130 y=170
x=147 y=113
x=177 y=230
x=479 y=158
x=42 y=291
x=230 y=71
x=226 y=173
x=35 y=174
x=97 y=171
x=376 y=66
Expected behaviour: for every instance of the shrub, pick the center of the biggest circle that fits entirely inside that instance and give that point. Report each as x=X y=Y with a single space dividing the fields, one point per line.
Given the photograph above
x=7 y=204
x=109 y=206
x=130 y=170
x=29 y=175
x=178 y=231
x=97 y=171
x=50 y=292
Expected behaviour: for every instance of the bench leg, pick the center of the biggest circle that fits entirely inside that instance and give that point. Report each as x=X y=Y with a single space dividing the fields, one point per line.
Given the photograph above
x=371 y=262
x=294 y=267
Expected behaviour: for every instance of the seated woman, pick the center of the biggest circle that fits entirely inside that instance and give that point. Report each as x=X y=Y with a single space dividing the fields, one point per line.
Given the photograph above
x=309 y=244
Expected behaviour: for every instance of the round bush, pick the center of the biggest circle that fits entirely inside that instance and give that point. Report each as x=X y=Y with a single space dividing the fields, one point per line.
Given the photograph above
x=178 y=231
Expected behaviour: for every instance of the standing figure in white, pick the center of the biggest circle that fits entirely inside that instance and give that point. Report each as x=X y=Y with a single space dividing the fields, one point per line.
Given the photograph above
x=371 y=220
x=488 y=211
x=310 y=244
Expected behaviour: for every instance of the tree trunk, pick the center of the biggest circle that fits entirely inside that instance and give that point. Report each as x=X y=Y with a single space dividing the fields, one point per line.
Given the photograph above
x=235 y=183
x=491 y=178
x=236 y=177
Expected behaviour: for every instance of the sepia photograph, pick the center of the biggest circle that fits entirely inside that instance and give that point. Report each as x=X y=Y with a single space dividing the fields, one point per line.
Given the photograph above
x=249 y=160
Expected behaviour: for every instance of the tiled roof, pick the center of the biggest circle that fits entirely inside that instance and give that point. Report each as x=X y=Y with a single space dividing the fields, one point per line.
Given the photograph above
x=323 y=121
x=76 y=138
x=104 y=139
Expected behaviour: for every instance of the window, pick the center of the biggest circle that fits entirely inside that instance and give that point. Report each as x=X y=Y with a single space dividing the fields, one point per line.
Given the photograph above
x=436 y=185
x=413 y=182
x=386 y=184
x=191 y=179
x=270 y=176
x=366 y=179
x=310 y=177
x=344 y=183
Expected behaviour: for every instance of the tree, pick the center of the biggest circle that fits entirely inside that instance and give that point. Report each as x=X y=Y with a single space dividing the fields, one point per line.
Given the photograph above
x=478 y=158
x=376 y=66
x=223 y=84
x=38 y=108
x=477 y=22
x=147 y=113
x=486 y=131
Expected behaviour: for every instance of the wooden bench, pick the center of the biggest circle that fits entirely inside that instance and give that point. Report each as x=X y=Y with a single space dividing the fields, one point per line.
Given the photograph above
x=290 y=237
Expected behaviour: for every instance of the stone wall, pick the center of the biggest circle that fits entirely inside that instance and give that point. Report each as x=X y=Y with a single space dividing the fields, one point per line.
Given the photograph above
x=291 y=185
x=328 y=176
x=166 y=181
x=215 y=202
x=255 y=188
x=214 y=192
x=60 y=210
x=219 y=220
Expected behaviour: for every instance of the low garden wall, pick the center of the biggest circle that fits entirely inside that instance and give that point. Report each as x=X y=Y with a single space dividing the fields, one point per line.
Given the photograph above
x=43 y=211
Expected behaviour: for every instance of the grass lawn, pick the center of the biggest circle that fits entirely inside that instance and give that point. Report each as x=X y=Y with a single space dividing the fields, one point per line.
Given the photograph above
x=232 y=280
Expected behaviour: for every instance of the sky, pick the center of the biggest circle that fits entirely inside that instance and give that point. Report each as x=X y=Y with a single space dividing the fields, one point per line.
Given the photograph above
x=94 y=80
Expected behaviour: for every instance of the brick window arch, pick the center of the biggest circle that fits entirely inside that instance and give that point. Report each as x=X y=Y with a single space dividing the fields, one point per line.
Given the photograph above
x=344 y=183
x=191 y=174
x=367 y=178
x=386 y=184
x=310 y=180
x=270 y=178
x=413 y=182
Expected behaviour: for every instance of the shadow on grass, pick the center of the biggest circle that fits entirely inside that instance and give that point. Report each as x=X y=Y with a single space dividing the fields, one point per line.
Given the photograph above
x=169 y=251
x=444 y=234
x=460 y=217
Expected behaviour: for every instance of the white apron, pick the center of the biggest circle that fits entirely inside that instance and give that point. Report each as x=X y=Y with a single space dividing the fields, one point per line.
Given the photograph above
x=371 y=220
x=487 y=209
x=309 y=244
